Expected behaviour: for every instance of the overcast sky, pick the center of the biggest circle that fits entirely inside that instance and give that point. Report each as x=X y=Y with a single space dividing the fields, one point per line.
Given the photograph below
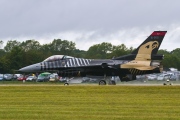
x=89 y=22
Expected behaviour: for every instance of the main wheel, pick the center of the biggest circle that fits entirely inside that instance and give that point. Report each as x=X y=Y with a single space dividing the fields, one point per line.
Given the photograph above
x=65 y=84
x=102 y=82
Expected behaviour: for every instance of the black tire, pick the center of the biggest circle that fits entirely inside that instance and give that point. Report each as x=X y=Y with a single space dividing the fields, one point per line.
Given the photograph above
x=102 y=82
x=66 y=84
x=164 y=84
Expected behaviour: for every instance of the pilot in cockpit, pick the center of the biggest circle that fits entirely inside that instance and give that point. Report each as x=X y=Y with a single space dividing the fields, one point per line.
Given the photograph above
x=57 y=57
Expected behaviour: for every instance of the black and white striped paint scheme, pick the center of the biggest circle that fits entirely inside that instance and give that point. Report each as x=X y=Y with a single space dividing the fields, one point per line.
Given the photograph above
x=66 y=63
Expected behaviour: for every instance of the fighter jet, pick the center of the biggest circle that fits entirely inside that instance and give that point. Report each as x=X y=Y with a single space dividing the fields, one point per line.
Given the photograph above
x=143 y=60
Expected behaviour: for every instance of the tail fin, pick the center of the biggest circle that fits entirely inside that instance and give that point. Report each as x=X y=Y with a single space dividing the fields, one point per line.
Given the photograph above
x=148 y=49
x=144 y=54
x=151 y=44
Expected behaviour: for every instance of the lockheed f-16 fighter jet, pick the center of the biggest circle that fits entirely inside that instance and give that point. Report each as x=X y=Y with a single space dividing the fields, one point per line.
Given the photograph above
x=143 y=60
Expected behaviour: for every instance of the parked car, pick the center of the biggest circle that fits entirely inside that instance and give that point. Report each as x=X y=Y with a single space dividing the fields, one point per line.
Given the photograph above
x=163 y=77
x=53 y=77
x=152 y=77
x=8 y=76
x=42 y=78
x=1 y=77
x=63 y=79
x=31 y=78
x=21 y=78
x=17 y=75
x=173 y=77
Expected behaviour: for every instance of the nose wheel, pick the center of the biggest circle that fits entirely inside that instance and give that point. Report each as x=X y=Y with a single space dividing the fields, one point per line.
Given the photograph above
x=67 y=81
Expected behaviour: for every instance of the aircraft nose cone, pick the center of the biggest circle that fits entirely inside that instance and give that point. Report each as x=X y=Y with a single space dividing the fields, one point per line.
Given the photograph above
x=31 y=68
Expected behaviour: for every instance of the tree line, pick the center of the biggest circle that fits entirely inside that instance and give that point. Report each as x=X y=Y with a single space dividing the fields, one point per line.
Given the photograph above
x=17 y=54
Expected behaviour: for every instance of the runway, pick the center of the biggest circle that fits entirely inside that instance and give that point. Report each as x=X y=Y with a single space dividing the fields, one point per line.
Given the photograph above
x=86 y=84
x=78 y=82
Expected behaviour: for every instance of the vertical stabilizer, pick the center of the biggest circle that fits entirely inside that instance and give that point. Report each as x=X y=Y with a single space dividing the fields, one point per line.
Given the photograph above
x=151 y=44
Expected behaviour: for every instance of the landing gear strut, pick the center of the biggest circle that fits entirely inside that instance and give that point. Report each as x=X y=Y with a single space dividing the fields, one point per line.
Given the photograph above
x=67 y=81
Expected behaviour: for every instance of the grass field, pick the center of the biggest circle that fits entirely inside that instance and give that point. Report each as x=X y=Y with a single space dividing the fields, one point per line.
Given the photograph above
x=89 y=102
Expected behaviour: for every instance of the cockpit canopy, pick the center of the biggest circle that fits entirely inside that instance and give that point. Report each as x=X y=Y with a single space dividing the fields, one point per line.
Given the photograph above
x=57 y=57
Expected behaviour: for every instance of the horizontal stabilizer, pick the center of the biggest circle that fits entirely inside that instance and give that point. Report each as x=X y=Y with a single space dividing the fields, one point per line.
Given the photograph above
x=145 y=68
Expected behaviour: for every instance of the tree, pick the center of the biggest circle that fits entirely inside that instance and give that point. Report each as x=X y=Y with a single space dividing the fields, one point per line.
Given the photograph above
x=16 y=58
x=171 y=59
x=121 y=50
x=11 y=44
x=163 y=51
x=4 y=65
x=79 y=53
x=2 y=52
x=1 y=44
x=176 y=52
x=30 y=45
x=64 y=47
x=100 y=51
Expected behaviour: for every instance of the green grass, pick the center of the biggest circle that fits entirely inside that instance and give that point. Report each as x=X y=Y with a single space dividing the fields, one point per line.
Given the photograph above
x=90 y=102
x=16 y=82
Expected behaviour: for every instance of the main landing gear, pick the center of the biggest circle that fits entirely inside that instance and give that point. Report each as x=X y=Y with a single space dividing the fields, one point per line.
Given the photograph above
x=102 y=82
x=111 y=81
